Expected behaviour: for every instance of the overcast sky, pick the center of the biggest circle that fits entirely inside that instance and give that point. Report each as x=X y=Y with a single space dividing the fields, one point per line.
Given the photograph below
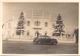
x=68 y=11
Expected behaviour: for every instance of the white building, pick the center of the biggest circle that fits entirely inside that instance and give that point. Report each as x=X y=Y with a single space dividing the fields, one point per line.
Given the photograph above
x=37 y=22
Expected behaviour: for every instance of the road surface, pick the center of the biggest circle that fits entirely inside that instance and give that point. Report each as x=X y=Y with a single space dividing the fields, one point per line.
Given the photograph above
x=14 y=47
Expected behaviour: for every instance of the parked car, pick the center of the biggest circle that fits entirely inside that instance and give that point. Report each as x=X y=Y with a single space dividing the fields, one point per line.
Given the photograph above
x=45 y=40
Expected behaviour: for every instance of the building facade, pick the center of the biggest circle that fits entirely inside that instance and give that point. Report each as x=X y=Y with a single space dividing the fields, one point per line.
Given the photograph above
x=29 y=28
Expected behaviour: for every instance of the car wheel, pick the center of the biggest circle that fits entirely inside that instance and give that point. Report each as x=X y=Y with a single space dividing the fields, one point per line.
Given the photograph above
x=55 y=43
x=38 y=42
x=52 y=42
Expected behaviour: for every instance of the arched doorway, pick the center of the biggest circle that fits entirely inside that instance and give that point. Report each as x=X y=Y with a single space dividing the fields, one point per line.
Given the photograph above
x=37 y=34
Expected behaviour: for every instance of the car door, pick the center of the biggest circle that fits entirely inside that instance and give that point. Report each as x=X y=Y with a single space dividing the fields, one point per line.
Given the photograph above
x=48 y=40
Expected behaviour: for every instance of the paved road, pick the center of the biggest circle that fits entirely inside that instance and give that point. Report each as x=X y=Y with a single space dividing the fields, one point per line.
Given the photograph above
x=11 y=47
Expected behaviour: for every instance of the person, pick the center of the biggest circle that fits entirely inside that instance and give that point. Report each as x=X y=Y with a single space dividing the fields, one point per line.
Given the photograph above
x=76 y=35
x=45 y=33
x=37 y=33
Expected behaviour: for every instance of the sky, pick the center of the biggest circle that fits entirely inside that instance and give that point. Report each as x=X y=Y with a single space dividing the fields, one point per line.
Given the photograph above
x=68 y=11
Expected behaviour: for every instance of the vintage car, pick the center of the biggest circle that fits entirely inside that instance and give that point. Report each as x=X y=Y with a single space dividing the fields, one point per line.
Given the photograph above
x=45 y=40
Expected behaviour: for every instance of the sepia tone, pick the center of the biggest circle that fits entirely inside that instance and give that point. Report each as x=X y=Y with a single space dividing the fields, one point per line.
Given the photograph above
x=24 y=22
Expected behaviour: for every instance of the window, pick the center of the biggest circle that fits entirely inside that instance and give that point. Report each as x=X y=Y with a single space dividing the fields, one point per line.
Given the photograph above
x=28 y=23
x=37 y=23
x=20 y=32
x=28 y=33
x=46 y=24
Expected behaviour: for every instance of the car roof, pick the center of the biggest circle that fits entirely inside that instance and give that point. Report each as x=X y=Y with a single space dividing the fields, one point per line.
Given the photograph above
x=44 y=36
